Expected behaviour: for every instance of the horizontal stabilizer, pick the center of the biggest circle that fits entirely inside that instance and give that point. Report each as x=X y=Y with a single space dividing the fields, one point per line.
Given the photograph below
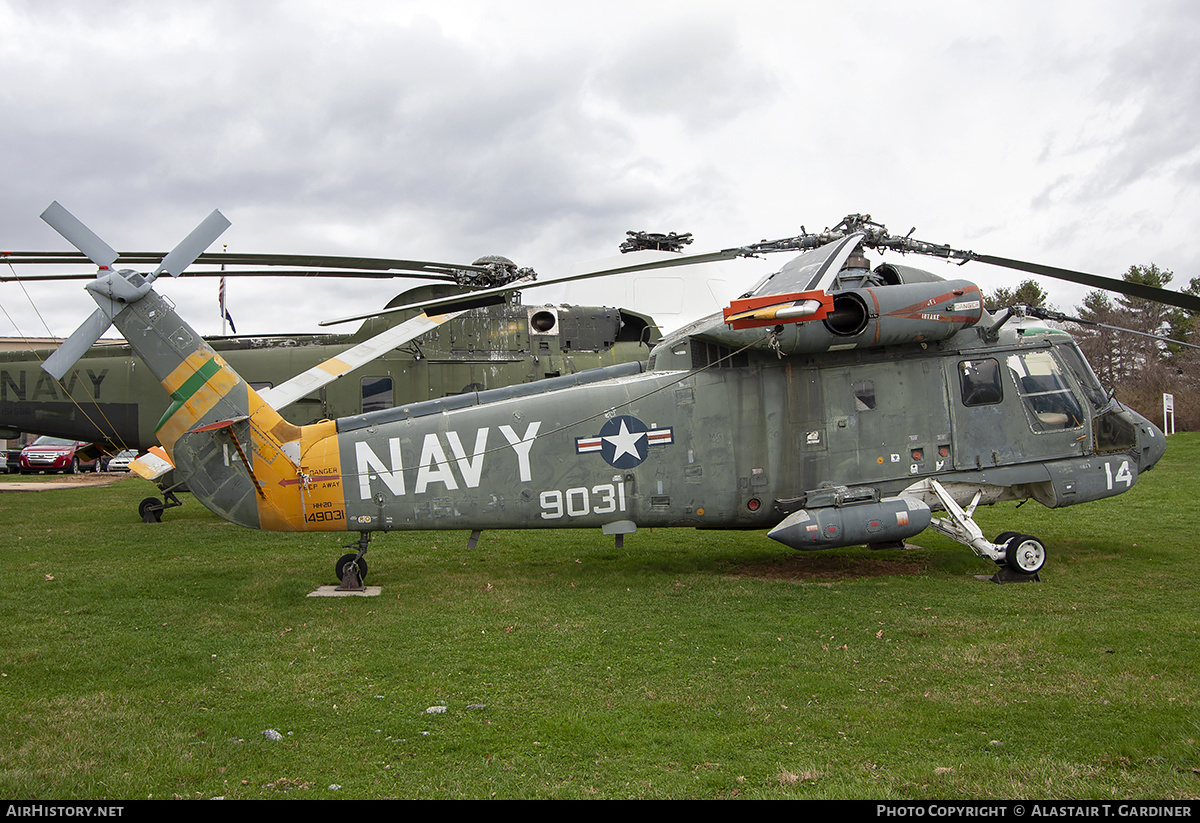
x=153 y=464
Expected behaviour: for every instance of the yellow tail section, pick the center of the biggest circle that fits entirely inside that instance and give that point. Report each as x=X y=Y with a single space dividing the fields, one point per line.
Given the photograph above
x=295 y=471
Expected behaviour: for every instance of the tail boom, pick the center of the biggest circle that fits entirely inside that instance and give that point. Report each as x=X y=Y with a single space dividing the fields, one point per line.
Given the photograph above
x=240 y=457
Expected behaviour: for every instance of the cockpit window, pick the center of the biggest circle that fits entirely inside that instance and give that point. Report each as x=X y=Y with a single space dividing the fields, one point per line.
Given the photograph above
x=980 y=382
x=1049 y=401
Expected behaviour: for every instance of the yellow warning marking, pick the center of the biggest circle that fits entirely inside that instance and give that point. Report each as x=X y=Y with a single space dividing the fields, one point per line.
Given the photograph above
x=334 y=366
x=304 y=497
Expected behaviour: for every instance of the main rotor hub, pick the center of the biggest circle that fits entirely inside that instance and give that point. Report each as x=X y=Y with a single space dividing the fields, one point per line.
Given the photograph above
x=497 y=271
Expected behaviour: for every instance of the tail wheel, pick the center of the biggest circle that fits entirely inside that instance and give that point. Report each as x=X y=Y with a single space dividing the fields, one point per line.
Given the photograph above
x=1025 y=554
x=150 y=510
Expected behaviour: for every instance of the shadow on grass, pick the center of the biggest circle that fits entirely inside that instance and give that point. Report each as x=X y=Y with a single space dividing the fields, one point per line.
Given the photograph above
x=831 y=567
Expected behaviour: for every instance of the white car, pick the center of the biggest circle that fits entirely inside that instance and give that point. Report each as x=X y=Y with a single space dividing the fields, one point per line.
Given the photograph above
x=120 y=463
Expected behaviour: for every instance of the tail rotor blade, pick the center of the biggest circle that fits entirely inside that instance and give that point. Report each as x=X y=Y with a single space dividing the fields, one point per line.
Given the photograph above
x=74 y=347
x=79 y=235
x=193 y=245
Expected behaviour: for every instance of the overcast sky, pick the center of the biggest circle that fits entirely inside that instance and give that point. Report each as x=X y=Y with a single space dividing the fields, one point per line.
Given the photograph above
x=1063 y=133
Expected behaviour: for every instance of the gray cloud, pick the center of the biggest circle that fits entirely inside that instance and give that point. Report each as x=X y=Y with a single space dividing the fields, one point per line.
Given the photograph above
x=544 y=131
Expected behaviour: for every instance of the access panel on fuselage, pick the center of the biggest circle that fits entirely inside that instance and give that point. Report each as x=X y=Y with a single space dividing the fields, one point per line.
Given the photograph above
x=886 y=421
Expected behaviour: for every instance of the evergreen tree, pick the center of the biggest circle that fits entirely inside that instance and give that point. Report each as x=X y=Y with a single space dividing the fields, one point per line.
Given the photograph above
x=1029 y=293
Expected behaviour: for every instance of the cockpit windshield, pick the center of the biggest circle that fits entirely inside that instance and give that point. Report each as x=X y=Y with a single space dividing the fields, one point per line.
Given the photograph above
x=1083 y=374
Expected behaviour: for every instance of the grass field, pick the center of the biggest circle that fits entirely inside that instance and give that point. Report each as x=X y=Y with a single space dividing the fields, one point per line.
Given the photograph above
x=147 y=660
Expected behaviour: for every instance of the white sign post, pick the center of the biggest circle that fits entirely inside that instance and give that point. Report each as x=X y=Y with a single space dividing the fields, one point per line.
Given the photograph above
x=1168 y=413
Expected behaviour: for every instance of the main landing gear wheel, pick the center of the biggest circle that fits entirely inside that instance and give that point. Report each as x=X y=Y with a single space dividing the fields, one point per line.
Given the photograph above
x=1025 y=554
x=1019 y=556
x=345 y=560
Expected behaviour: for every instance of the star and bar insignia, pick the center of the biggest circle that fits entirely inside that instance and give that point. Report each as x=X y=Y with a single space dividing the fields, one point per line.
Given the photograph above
x=624 y=442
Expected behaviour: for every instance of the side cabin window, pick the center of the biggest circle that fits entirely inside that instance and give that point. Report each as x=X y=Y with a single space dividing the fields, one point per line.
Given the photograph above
x=864 y=395
x=1049 y=402
x=980 y=382
x=376 y=393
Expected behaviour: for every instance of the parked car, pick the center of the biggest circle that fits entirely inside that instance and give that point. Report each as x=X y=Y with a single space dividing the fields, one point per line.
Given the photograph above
x=120 y=462
x=55 y=454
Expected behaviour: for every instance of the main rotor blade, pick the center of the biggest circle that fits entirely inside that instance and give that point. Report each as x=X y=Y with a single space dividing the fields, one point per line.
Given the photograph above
x=184 y=254
x=283 y=395
x=483 y=297
x=79 y=235
x=315 y=261
x=74 y=347
x=367 y=275
x=1172 y=298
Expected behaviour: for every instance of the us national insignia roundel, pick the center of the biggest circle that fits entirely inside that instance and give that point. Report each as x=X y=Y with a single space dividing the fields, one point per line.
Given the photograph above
x=624 y=441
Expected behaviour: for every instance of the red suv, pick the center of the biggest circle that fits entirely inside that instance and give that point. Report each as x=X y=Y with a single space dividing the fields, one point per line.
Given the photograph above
x=54 y=454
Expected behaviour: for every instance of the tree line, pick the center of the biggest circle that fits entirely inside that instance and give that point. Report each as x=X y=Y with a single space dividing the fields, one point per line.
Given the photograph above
x=1137 y=368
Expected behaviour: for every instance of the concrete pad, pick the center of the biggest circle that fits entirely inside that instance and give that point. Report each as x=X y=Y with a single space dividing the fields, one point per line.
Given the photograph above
x=331 y=591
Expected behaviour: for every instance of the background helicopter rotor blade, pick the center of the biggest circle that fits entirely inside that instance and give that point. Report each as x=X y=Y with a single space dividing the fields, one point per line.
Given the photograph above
x=368 y=266
x=485 y=297
x=79 y=235
x=354 y=275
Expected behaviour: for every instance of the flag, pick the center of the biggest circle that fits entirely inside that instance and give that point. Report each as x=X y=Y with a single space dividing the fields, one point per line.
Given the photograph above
x=224 y=311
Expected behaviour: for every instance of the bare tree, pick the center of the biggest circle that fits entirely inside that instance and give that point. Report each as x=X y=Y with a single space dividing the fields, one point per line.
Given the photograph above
x=1139 y=368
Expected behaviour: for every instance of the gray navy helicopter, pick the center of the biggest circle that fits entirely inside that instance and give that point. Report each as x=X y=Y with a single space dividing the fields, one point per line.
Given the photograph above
x=834 y=404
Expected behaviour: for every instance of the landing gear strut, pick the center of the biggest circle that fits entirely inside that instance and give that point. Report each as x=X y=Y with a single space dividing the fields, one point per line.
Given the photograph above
x=351 y=569
x=1020 y=556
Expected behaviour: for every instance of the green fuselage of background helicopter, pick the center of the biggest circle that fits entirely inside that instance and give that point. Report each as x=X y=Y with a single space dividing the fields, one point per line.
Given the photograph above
x=109 y=398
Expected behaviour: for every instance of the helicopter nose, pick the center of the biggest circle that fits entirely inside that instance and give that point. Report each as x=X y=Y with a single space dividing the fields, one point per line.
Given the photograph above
x=1152 y=444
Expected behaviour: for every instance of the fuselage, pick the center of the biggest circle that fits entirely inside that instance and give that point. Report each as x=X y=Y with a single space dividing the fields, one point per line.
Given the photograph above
x=717 y=429
x=706 y=437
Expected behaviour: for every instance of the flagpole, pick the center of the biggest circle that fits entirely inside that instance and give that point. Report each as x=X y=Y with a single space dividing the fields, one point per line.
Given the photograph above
x=221 y=292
